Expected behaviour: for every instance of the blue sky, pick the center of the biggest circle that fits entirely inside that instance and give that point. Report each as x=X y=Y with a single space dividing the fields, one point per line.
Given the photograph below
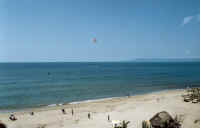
x=62 y=30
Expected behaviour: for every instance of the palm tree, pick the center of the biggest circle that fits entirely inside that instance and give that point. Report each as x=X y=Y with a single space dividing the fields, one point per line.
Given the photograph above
x=125 y=124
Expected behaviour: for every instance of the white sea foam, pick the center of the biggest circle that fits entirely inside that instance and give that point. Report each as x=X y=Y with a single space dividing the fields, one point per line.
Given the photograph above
x=53 y=105
x=94 y=100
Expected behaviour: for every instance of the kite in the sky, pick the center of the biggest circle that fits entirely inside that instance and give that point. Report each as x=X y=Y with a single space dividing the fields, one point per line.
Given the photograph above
x=94 y=40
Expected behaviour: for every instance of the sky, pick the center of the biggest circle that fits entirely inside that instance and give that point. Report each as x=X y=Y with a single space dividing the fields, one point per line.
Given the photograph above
x=63 y=30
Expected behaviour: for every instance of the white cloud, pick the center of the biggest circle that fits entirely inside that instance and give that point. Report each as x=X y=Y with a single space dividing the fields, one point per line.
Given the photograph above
x=187 y=20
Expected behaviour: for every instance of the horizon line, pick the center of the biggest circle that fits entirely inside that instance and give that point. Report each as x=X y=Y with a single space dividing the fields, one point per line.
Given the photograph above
x=131 y=60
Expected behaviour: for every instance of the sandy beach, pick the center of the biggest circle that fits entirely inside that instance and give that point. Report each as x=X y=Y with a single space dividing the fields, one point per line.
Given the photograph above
x=133 y=108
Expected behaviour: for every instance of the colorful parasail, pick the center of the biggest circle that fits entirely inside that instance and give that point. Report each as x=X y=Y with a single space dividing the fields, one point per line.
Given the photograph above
x=94 y=40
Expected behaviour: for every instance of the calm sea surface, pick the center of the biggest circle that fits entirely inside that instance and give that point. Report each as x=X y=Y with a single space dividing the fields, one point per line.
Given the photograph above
x=24 y=85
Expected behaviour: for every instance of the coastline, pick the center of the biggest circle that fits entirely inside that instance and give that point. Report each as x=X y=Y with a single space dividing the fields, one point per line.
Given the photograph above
x=66 y=104
x=134 y=109
x=63 y=83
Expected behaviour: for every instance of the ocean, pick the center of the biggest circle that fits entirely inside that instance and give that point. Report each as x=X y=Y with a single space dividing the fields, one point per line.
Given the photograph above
x=26 y=85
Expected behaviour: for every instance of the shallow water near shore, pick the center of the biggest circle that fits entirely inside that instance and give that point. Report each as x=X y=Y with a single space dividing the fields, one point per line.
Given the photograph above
x=25 y=85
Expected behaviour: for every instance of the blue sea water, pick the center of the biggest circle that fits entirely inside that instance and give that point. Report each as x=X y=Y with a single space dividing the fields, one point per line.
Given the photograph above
x=24 y=85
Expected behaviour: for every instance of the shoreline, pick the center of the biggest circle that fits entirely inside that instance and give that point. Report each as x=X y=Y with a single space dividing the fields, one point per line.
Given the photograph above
x=65 y=104
x=41 y=108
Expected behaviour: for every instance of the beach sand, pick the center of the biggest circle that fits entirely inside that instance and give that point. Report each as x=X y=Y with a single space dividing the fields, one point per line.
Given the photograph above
x=134 y=109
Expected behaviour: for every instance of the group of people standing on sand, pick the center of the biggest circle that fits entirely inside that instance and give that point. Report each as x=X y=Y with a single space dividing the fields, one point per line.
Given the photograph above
x=64 y=112
x=14 y=118
x=88 y=115
x=72 y=112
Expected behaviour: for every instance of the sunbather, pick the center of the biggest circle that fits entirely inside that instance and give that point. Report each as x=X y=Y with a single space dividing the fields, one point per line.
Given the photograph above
x=12 y=117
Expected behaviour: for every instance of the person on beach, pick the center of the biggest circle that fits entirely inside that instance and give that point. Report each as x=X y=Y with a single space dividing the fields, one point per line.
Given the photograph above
x=108 y=117
x=12 y=117
x=89 y=115
x=32 y=113
x=63 y=111
x=72 y=112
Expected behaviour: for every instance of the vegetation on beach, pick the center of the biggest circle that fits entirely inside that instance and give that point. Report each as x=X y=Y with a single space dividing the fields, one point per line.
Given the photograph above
x=193 y=94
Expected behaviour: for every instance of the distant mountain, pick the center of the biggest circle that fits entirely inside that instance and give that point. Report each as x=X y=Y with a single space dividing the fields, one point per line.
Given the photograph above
x=167 y=60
